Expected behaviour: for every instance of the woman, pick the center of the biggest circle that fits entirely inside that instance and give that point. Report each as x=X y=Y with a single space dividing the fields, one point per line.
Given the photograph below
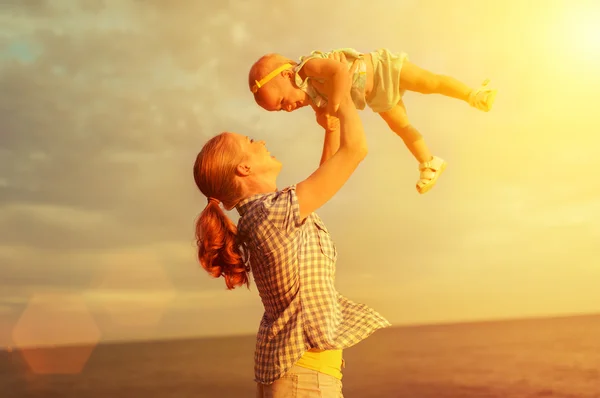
x=306 y=323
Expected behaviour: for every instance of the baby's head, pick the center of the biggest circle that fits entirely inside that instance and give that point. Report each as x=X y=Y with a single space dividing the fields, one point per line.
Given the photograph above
x=278 y=92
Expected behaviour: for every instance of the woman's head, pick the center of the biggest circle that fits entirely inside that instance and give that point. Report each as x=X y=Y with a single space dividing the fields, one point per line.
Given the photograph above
x=280 y=92
x=229 y=168
x=214 y=170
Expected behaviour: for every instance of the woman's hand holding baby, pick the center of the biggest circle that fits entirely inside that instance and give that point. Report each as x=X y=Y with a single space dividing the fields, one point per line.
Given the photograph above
x=340 y=84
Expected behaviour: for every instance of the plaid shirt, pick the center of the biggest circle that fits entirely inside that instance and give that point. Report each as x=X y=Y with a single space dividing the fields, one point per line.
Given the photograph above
x=294 y=270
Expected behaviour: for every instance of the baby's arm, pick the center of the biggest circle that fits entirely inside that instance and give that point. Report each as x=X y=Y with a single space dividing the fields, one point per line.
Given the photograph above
x=334 y=73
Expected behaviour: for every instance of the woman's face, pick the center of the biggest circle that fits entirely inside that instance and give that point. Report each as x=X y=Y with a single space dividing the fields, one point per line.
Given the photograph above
x=257 y=157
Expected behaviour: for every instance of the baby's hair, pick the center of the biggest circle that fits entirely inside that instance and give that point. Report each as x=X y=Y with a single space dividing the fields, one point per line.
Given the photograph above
x=265 y=65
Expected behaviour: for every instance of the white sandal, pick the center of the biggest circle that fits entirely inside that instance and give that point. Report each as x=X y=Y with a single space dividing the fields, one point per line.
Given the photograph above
x=483 y=97
x=430 y=172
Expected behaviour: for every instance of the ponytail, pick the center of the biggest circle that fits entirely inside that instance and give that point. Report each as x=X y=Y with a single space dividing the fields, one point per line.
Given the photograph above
x=219 y=252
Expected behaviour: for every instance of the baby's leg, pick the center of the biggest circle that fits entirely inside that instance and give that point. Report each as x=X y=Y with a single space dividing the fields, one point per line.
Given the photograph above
x=397 y=120
x=414 y=78
x=430 y=166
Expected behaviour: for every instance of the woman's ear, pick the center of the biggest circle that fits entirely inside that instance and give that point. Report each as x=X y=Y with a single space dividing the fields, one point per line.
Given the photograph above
x=243 y=169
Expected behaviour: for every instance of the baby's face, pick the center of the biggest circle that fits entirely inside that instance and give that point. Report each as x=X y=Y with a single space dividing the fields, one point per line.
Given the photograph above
x=280 y=94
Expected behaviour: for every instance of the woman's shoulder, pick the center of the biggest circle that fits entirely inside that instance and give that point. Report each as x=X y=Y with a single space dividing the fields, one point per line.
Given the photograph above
x=280 y=197
x=281 y=208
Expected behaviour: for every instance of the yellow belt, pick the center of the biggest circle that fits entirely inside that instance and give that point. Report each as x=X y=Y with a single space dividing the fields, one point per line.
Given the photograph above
x=329 y=362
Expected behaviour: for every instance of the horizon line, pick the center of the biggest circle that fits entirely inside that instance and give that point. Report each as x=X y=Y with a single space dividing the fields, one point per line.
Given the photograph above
x=15 y=347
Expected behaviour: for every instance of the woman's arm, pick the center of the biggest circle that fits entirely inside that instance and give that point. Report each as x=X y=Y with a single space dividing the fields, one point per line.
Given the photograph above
x=331 y=124
x=333 y=173
x=331 y=144
x=335 y=73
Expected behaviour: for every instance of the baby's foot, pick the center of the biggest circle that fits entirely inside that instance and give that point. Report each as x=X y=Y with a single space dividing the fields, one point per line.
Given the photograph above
x=483 y=97
x=430 y=172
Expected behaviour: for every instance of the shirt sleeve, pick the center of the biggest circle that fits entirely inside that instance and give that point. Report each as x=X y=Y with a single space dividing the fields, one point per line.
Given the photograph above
x=303 y=60
x=283 y=210
x=313 y=54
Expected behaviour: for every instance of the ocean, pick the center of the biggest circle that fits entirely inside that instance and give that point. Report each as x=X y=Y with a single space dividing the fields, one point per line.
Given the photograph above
x=549 y=358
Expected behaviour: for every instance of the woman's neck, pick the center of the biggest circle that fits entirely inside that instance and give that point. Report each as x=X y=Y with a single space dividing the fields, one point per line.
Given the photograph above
x=257 y=187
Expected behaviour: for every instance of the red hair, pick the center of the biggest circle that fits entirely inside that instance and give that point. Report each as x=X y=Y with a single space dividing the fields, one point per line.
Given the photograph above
x=219 y=251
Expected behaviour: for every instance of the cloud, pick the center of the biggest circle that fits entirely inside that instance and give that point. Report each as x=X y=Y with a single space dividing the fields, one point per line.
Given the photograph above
x=124 y=300
x=106 y=122
x=107 y=103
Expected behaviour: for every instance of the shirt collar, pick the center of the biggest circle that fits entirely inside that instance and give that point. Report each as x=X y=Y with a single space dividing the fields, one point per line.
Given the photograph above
x=243 y=206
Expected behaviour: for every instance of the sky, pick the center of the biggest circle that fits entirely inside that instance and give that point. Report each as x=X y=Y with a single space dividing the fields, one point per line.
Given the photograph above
x=105 y=105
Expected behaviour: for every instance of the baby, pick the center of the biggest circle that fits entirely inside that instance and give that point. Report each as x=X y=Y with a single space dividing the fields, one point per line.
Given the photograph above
x=379 y=80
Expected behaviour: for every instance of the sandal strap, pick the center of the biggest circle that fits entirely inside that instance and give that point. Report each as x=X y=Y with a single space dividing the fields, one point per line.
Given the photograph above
x=474 y=97
x=434 y=164
x=427 y=175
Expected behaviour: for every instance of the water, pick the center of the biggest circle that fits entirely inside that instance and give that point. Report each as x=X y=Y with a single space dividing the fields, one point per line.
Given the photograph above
x=547 y=358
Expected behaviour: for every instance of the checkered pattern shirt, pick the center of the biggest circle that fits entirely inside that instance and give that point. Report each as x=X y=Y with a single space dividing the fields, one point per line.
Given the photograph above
x=293 y=264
